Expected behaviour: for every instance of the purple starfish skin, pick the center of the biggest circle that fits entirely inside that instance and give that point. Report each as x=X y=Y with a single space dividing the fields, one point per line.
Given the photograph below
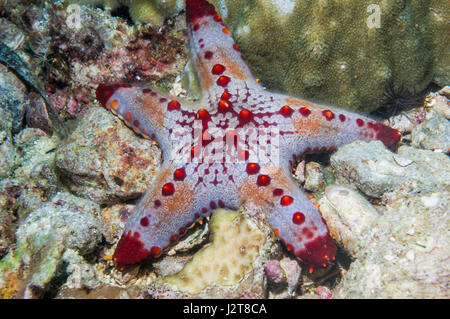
x=186 y=191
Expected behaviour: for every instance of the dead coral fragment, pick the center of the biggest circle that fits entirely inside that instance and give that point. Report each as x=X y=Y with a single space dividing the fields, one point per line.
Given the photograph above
x=236 y=243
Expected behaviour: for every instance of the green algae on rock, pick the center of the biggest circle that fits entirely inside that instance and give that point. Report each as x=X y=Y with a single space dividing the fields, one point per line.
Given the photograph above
x=66 y=222
x=327 y=50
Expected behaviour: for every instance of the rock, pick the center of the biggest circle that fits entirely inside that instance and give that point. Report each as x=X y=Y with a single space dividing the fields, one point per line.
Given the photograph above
x=438 y=101
x=347 y=214
x=10 y=34
x=35 y=174
x=13 y=101
x=68 y=219
x=314 y=178
x=324 y=292
x=105 y=161
x=83 y=282
x=114 y=220
x=81 y=275
x=432 y=134
x=406 y=121
x=274 y=272
x=292 y=272
x=283 y=277
x=67 y=222
x=404 y=254
x=375 y=170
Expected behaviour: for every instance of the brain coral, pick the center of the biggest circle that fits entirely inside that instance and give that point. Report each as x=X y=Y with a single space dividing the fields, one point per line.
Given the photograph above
x=333 y=51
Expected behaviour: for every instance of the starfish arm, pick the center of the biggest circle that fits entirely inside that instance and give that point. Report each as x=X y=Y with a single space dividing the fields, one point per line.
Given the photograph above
x=148 y=112
x=180 y=197
x=215 y=55
x=293 y=217
x=322 y=128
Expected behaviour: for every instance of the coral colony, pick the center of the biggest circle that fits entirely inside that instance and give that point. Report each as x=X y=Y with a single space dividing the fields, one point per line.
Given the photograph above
x=236 y=144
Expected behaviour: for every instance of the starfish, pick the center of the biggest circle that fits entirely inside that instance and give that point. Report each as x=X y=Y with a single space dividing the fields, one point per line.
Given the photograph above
x=237 y=143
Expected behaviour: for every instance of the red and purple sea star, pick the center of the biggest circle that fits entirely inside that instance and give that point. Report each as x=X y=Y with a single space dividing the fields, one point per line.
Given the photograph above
x=199 y=174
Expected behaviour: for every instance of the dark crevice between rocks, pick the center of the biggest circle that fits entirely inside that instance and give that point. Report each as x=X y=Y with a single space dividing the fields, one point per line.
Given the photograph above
x=331 y=275
x=124 y=13
x=57 y=281
x=148 y=264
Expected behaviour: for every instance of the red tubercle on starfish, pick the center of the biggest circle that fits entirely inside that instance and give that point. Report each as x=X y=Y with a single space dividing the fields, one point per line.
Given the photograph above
x=263 y=180
x=359 y=122
x=223 y=80
x=328 y=115
x=114 y=104
x=286 y=111
x=253 y=168
x=298 y=218
x=305 y=111
x=182 y=230
x=144 y=222
x=168 y=189
x=286 y=200
x=245 y=116
x=218 y=69
x=173 y=105
x=208 y=55
x=278 y=192
x=224 y=106
x=179 y=174
x=225 y=95
x=155 y=251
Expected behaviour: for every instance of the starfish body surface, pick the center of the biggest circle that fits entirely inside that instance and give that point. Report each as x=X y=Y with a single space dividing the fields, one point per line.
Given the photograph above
x=188 y=189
